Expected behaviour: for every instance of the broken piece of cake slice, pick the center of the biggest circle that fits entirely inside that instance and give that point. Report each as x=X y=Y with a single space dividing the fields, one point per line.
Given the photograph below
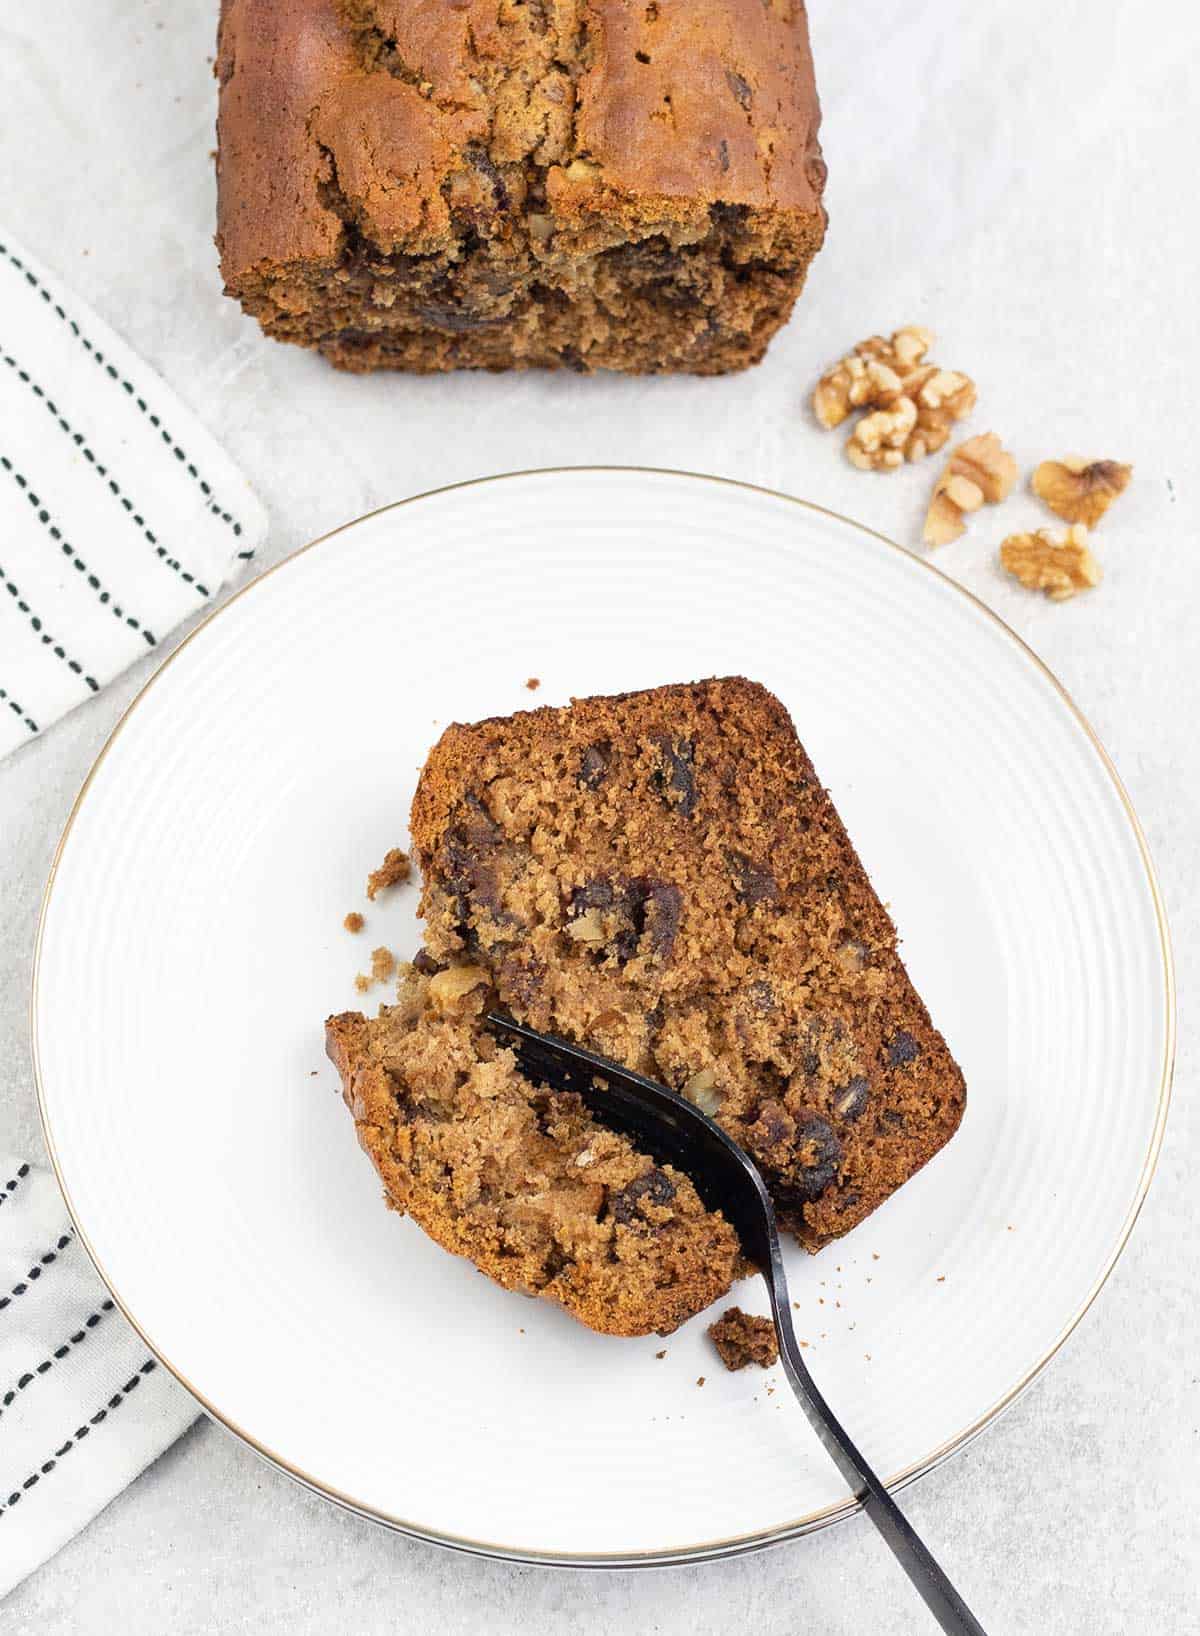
x=518 y=1178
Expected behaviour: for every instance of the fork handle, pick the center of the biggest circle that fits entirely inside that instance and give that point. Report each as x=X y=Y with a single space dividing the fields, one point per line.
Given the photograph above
x=910 y=1551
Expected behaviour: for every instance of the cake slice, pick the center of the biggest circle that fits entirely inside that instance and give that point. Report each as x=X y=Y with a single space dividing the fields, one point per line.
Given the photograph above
x=660 y=876
x=508 y=183
x=517 y=1178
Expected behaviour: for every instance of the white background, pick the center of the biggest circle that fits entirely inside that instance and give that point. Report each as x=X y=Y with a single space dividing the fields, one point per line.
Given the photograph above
x=1022 y=178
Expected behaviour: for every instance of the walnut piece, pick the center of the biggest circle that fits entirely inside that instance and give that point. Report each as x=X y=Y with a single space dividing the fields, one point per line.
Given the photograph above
x=878 y=442
x=447 y=987
x=1078 y=490
x=946 y=396
x=978 y=470
x=870 y=377
x=701 y=1089
x=1058 y=567
x=911 y=404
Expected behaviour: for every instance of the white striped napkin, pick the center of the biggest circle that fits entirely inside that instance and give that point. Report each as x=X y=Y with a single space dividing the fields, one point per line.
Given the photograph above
x=119 y=514
x=83 y=1407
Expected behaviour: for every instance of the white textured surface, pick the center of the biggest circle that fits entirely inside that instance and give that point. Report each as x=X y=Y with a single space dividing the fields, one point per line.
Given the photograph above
x=1023 y=181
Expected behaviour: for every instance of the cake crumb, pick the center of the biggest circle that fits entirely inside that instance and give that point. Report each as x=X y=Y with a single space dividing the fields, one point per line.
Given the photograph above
x=700 y=1380
x=534 y=683
x=361 y=982
x=741 y=1338
x=383 y=964
x=394 y=869
x=661 y=1354
x=942 y=1279
x=354 y=922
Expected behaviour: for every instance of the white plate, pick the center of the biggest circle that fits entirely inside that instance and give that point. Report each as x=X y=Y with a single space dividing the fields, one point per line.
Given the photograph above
x=191 y=946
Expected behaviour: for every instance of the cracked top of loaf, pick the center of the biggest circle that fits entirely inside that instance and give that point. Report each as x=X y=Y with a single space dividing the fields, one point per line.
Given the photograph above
x=390 y=114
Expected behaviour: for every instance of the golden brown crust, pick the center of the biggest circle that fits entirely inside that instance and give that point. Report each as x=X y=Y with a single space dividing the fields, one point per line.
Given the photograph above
x=272 y=64
x=724 y=107
x=590 y=182
x=661 y=875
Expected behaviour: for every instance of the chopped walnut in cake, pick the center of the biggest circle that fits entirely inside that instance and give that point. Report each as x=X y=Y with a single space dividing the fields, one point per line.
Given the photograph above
x=978 y=471
x=394 y=869
x=911 y=403
x=1078 y=490
x=448 y=988
x=1058 y=567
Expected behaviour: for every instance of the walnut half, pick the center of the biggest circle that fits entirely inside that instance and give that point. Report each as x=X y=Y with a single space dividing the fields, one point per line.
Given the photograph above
x=978 y=470
x=1080 y=491
x=1058 y=567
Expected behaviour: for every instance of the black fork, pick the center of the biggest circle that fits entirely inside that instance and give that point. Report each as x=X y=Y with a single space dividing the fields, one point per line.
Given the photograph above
x=673 y=1131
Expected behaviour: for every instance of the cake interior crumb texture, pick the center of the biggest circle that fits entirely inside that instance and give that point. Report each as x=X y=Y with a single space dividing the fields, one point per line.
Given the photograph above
x=660 y=876
x=510 y=183
x=742 y=1338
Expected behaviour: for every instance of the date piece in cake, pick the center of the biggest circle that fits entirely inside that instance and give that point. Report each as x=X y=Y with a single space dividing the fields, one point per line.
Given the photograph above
x=502 y=184
x=518 y=1178
x=660 y=876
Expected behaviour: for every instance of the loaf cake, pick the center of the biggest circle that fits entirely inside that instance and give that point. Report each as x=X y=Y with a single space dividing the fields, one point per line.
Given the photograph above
x=511 y=183
x=661 y=877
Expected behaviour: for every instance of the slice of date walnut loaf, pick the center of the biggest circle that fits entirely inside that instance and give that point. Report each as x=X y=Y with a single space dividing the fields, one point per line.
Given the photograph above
x=661 y=876
x=509 y=183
